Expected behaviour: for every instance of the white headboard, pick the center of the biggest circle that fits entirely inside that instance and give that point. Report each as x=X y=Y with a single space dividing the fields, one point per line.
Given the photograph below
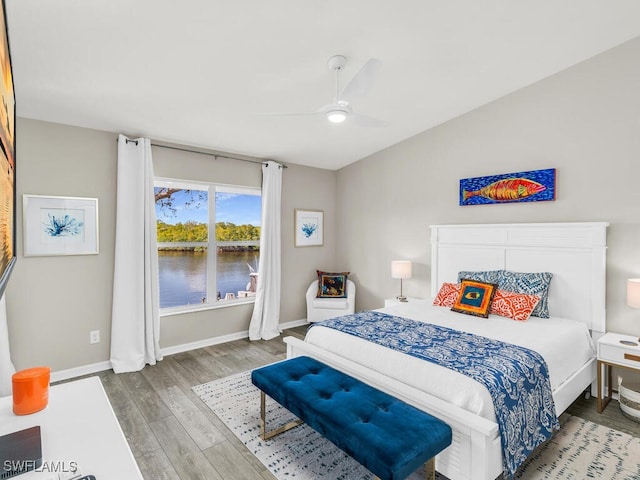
x=575 y=253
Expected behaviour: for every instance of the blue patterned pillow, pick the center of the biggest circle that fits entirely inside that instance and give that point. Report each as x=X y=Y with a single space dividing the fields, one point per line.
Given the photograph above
x=530 y=284
x=488 y=276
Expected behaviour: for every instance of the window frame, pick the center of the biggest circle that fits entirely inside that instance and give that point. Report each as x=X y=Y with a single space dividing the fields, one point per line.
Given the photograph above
x=211 y=273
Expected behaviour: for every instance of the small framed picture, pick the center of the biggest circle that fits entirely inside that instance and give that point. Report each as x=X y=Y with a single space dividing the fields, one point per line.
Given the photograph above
x=60 y=225
x=308 y=226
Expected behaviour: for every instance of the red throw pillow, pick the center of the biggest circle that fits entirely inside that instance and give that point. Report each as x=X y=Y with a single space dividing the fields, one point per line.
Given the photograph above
x=447 y=295
x=517 y=306
x=513 y=305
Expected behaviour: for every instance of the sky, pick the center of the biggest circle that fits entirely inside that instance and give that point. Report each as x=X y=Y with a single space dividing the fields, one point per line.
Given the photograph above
x=230 y=207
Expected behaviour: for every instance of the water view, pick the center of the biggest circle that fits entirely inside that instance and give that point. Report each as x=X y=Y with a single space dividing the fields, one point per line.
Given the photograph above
x=183 y=275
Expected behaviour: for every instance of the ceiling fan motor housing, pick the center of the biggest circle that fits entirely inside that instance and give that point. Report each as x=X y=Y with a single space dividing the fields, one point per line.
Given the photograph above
x=337 y=62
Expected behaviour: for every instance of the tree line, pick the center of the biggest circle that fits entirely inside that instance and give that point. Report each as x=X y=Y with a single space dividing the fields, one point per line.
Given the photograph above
x=199 y=232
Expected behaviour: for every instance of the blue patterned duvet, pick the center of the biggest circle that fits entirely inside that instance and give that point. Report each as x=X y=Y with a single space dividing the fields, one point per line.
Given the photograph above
x=516 y=377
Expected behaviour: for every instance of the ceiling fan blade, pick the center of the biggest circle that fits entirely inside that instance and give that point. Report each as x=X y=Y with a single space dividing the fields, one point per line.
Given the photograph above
x=365 y=121
x=361 y=83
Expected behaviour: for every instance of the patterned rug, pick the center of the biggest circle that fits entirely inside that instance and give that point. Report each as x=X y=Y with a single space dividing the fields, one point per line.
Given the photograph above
x=580 y=450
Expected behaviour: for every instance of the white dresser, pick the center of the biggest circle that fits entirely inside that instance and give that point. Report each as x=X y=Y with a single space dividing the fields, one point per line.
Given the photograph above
x=78 y=427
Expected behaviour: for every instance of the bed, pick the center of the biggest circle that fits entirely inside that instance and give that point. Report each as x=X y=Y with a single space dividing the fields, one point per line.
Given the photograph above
x=574 y=252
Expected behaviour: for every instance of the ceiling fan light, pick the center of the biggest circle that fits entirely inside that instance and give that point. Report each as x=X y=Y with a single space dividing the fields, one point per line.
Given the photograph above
x=336 y=116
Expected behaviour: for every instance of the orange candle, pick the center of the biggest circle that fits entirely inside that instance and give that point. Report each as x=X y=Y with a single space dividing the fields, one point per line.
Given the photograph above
x=30 y=390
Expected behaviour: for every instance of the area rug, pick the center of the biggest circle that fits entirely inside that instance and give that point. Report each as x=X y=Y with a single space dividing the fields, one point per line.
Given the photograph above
x=581 y=449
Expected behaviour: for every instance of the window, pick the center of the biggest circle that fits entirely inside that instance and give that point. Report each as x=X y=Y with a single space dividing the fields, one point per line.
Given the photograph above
x=190 y=276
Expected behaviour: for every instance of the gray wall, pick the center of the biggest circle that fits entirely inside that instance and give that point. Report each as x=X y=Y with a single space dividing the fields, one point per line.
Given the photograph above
x=584 y=121
x=54 y=302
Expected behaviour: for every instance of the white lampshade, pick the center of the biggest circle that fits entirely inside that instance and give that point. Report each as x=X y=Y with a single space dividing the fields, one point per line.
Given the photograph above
x=400 y=269
x=633 y=292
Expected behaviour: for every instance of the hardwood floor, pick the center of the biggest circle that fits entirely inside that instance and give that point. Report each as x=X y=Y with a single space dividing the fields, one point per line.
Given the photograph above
x=174 y=435
x=612 y=416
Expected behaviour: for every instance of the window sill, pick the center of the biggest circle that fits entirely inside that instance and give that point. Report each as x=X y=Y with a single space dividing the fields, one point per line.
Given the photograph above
x=167 y=312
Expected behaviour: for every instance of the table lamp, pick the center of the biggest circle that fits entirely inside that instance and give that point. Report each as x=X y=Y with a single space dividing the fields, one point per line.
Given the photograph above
x=401 y=269
x=633 y=294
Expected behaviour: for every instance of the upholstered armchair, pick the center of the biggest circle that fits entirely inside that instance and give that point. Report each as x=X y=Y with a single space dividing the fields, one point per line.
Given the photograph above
x=324 y=308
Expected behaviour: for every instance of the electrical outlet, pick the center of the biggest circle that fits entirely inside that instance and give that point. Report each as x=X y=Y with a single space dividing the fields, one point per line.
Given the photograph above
x=94 y=336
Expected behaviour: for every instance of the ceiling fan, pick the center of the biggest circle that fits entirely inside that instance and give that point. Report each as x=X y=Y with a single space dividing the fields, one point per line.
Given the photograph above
x=340 y=109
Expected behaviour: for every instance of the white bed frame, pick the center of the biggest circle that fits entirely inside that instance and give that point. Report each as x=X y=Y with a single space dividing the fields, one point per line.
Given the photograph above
x=576 y=255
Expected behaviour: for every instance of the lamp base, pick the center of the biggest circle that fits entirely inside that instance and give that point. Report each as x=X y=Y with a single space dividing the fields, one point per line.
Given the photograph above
x=401 y=298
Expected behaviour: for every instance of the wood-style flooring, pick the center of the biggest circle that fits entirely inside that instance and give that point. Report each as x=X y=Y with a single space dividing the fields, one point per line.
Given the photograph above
x=174 y=435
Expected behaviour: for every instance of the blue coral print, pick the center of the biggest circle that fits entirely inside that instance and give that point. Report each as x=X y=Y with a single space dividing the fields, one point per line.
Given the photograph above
x=308 y=229
x=63 y=226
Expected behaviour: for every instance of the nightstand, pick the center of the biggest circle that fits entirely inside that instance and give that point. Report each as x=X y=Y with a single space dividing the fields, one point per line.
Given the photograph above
x=613 y=353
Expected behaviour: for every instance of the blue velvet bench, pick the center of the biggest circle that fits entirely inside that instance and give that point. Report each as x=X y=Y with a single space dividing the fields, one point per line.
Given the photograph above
x=389 y=437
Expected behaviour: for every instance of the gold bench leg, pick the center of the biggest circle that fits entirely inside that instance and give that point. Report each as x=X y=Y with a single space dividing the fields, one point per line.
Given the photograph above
x=430 y=468
x=263 y=424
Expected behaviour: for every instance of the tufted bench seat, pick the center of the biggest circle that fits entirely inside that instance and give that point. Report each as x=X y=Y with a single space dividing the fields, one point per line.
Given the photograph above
x=389 y=437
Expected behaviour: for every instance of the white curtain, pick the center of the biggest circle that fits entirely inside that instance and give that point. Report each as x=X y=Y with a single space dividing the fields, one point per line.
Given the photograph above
x=135 y=316
x=6 y=367
x=266 y=311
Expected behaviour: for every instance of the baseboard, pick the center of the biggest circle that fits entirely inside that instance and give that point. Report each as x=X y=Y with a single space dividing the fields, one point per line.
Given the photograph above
x=293 y=324
x=80 y=371
x=207 y=342
x=185 y=347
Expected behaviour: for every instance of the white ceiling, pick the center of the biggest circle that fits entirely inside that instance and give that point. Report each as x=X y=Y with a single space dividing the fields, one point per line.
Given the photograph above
x=200 y=72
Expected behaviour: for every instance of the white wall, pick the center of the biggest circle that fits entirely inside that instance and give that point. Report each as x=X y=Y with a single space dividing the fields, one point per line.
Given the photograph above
x=584 y=121
x=54 y=302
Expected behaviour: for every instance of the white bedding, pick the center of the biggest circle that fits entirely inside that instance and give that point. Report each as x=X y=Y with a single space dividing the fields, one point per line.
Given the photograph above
x=565 y=345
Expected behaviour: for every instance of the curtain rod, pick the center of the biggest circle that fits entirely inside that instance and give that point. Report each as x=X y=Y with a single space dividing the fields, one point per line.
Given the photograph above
x=214 y=155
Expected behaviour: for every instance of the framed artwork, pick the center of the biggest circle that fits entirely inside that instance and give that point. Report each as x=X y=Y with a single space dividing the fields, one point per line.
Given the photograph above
x=533 y=186
x=7 y=158
x=60 y=225
x=308 y=225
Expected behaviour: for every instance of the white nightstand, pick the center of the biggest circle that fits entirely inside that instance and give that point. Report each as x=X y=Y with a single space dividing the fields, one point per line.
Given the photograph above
x=389 y=302
x=611 y=352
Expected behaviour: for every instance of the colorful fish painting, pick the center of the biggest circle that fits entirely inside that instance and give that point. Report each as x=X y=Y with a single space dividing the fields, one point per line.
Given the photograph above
x=533 y=186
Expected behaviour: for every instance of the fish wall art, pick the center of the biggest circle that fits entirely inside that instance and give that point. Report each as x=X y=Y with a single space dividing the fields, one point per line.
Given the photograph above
x=533 y=186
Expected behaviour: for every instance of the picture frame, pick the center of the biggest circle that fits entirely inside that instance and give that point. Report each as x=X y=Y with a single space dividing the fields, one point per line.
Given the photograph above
x=308 y=228
x=7 y=158
x=517 y=187
x=59 y=225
